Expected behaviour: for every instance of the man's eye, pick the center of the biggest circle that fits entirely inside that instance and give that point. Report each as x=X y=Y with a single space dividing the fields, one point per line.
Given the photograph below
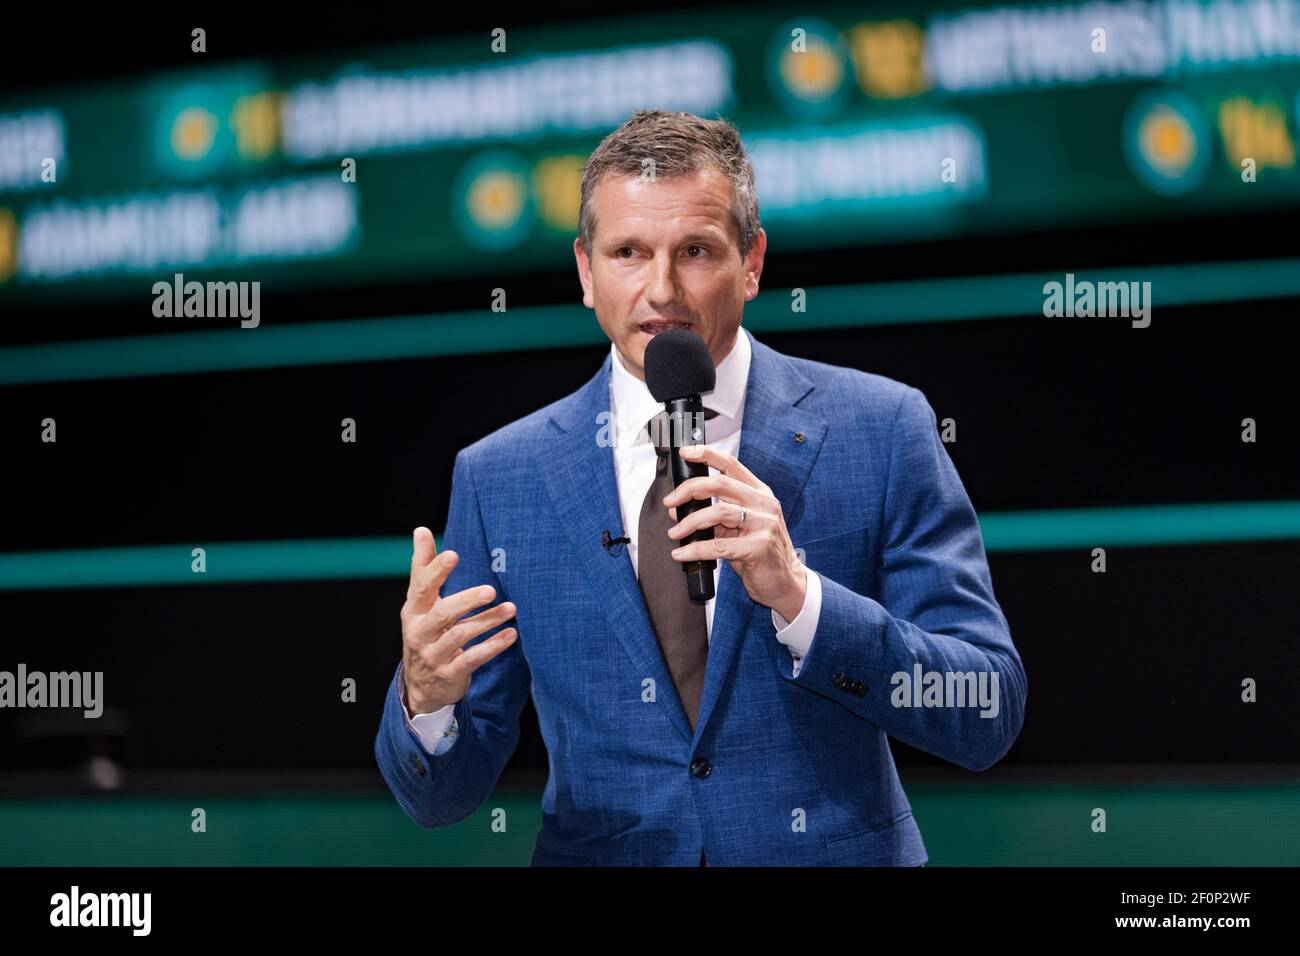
x=623 y=249
x=701 y=249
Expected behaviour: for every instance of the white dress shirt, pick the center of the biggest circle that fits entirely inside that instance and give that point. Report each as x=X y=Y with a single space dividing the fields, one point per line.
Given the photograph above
x=631 y=407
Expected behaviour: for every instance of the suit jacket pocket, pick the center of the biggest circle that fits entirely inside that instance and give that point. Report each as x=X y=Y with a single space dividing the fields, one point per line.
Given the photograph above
x=880 y=845
x=548 y=858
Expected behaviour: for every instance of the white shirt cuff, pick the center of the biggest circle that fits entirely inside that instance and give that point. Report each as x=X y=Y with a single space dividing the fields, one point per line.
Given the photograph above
x=798 y=634
x=436 y=730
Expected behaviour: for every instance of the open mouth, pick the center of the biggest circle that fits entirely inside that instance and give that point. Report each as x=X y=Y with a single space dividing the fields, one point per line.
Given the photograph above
x=654 y=328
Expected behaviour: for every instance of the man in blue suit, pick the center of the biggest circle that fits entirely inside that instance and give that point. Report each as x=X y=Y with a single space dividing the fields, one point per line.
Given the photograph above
x=853 y=602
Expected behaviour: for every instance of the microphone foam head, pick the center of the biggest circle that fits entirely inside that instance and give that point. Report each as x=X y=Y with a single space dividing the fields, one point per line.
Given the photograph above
x=678 y=364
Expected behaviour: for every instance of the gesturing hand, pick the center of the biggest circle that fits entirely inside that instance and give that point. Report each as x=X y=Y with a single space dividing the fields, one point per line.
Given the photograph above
x=435 y=666
x=754 y=541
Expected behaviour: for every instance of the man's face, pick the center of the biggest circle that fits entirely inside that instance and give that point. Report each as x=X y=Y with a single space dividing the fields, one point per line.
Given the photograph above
x=666 y=254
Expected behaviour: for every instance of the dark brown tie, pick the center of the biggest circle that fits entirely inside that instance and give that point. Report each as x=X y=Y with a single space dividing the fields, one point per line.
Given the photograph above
x=680 y=626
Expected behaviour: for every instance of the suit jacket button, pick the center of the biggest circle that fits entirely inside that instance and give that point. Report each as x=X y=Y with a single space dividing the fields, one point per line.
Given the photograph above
x=837 y=680
x=418 y=765
x=700 y=767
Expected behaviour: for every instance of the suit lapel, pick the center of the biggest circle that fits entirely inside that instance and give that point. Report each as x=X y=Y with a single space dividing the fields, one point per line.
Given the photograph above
x=769 y=449
x=579 y=476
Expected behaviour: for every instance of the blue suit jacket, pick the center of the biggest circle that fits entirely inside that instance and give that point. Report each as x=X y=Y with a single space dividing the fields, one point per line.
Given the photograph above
x=780 y=770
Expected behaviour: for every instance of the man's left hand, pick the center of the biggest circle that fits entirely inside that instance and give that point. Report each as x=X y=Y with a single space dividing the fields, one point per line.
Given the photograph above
x=759 y=549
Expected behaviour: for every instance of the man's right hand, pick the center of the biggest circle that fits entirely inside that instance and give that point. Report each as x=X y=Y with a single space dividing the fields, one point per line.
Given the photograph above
x=436 y=667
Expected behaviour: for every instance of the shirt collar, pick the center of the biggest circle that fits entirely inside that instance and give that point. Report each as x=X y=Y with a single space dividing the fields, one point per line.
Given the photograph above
x=632 y=405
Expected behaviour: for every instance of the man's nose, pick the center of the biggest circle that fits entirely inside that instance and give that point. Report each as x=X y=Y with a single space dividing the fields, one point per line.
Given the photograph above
x=661 y=289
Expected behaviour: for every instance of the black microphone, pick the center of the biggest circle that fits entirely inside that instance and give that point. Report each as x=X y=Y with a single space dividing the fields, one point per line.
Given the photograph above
x=678 y=369
x=608 y=543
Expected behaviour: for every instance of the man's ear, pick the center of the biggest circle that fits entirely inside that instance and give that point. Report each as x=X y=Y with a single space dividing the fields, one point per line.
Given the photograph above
x=754 y=264
x=584 y=273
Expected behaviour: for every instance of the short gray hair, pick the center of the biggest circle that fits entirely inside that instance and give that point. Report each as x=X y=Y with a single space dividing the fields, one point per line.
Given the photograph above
x=679 y=144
